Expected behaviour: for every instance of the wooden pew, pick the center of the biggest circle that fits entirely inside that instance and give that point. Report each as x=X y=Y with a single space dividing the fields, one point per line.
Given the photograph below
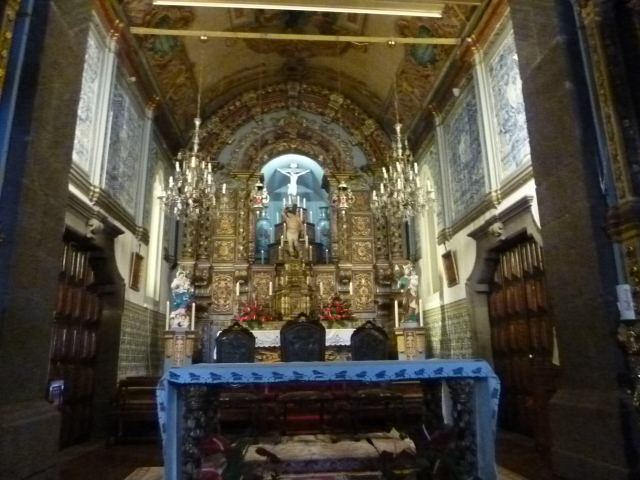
x=134 y=415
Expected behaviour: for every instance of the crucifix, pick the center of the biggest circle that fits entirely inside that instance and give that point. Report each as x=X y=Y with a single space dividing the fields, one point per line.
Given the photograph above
x=293 y=172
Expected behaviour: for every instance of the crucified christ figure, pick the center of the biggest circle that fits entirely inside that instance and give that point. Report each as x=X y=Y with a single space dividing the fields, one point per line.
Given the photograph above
x=293 y=172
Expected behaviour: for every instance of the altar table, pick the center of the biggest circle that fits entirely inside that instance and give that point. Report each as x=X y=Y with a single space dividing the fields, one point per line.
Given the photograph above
x=335 y=337
x=482 y=403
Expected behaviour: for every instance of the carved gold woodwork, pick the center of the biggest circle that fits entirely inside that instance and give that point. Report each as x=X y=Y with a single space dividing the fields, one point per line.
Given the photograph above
x=222 y=292
x=360 y=226
x=363 y=291
x=261 y=283
x=223 y=250
x=190 y=233
x=225 y=224
x=361 y=202
x=611 y=122
x=328 y=282
x=362 y=252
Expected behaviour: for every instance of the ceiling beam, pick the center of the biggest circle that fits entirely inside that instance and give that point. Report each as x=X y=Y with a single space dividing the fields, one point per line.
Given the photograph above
x=426 y=8
x=293 y=36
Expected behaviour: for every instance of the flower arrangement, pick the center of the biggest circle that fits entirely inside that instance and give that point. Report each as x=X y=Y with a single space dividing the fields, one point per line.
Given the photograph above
x=254 y=314
x=336 y=311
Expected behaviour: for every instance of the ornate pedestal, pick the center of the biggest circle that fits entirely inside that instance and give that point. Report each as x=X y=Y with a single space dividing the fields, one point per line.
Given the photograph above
x=178 y=348
x=410 y=337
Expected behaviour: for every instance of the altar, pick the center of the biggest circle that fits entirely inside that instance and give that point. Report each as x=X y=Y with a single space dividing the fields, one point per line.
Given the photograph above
x=188 y=400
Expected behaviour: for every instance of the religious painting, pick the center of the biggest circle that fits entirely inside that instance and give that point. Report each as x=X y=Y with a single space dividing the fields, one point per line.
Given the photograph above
x=135 y=271
x=466 y=167
x=510 y=119
x=450 y=268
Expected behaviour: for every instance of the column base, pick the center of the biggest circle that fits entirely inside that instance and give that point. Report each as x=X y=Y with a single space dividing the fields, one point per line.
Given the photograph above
x=29 y=441
x=595 y=435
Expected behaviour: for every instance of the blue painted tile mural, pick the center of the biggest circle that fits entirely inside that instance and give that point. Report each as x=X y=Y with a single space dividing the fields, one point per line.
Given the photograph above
x=152 y=170
x=506 y=88
x=86 y=107
x=433 y=164
x=125 y=148
x=466 y=168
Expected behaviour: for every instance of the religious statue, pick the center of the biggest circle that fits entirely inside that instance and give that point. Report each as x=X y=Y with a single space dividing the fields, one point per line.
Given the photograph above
x=181 y=293
x=408 y=283
x=293 y=172
x=293 y=227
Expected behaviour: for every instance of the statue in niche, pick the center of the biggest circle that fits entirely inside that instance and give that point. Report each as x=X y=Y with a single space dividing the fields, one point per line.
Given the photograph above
x=293 y=227
x=408 y=283
x=293 y=172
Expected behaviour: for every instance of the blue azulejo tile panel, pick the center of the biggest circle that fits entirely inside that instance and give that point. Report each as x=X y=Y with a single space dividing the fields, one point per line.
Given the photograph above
x=466 y=169
x=433 y=164
x=86 y=107
x=506 y=89
x=152 y=171
x=125 y=149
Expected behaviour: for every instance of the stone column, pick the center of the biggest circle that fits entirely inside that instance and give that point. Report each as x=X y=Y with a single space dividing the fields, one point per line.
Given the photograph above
x=32 y=210
x=593 y=430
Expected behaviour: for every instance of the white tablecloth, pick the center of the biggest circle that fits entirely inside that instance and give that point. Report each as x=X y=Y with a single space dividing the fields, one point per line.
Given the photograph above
x=335 y=336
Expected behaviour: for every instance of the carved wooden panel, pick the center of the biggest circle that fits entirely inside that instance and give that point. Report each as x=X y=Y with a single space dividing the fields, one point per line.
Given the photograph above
x=363 y=291
x=521 y=335
x=361 y=226
x=224 y=224
x=362 y=202
x=328 y=282
x=362 y=252
x=260 y=288
x=223 y=250
x=73 y=343
x=222 y=292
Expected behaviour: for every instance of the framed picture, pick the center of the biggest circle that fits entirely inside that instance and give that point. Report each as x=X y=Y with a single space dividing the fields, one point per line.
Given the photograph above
x=136 y=271
x=450 y=269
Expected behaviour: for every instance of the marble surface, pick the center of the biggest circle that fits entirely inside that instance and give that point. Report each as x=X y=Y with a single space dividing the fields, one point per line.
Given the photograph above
x=466 y=168
x=506 y=89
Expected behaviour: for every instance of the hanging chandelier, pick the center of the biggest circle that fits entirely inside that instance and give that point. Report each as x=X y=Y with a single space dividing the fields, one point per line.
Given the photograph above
x=191 y=187
x=401 y=195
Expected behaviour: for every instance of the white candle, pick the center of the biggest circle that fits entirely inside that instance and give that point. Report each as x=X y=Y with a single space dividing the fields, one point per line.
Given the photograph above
x=168 y=313
x=270 y=288
x=306 y=241
x=421 y=319
x=382 y=188
x=310 y=217
x=310 y=253
x=326 y=255
x=237 y=289
x=396 y=311
x=297 y=199
x=304 y=203
x=321 y=293
x=224 y=188
x=262 y=253
x=350 y=288
x=281 y=241
x=193 y=316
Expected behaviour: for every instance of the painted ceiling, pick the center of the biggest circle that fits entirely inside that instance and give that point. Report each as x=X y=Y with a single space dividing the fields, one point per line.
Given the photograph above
x=368 y=74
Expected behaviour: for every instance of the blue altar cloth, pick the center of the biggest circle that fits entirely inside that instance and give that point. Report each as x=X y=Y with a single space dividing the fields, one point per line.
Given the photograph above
x=485 y=402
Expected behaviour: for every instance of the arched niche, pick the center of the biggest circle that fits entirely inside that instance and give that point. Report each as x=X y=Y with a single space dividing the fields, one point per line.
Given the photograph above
x=317 y=109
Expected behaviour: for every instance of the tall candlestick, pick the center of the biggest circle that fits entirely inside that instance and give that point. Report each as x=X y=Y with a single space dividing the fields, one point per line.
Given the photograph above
x=224 y=188
x=270 y=288
x=281 y=241
x=193 y=316
x=304 y=203
x=297 y=199
x=237 y=289
x=326 y=255
x=421 y=319
x=306 y=241
x=310 y=253
x=396 y=311
x=350 y=288
x=168 y=313
x=321 y=293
